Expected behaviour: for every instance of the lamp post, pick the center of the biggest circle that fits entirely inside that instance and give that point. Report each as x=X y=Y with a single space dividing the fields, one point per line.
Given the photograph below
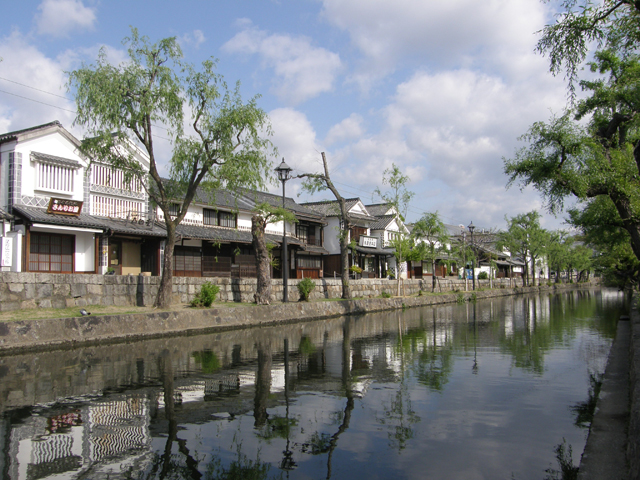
x=471 y=228
x=284 y=174
x=464 y=257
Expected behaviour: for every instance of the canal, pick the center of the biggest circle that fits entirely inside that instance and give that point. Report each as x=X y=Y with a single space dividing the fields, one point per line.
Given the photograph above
x=484 y=390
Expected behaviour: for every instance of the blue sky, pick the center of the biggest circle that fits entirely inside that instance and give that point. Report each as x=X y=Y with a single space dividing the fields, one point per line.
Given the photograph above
x=440 y=88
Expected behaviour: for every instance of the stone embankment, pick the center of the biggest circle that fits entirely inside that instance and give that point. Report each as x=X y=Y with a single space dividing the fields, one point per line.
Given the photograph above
x=49 y=290
x=613 y=446
x=32 y=335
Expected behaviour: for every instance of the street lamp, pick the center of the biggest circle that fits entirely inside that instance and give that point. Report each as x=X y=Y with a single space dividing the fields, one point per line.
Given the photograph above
x=284 y=174
x=471 y=228
x=464 y=257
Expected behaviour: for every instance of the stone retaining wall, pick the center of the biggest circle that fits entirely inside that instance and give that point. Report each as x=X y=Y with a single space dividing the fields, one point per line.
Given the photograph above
x=47 y=290
x=29 y=335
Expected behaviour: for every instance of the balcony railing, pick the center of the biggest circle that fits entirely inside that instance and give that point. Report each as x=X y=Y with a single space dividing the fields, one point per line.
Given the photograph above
x=315 y=241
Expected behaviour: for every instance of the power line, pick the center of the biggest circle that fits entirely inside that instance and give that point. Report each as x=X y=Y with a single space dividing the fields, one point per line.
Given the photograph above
x=33 y=88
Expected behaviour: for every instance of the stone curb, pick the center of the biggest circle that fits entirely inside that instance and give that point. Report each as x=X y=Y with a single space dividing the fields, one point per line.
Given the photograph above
x=633 y=432
x=37 y=335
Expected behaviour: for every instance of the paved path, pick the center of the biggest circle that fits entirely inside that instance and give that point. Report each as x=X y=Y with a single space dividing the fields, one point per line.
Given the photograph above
x=604 y=456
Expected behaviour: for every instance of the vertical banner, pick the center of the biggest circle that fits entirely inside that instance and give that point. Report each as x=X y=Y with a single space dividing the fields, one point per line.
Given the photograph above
x=7 y=252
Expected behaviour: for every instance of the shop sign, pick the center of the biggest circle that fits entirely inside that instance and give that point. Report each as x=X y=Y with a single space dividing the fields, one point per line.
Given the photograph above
x=366 y=241
x=62 y=206
x=7 y=251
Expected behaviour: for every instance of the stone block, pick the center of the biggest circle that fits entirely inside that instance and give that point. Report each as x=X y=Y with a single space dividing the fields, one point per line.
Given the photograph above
x=44 y=290
x=58 y=302
x=94 y=289
x=62 y=290
x=6 y=306
x=78 y=290
x=45 y=303
x=26 y=304
x=16 y=287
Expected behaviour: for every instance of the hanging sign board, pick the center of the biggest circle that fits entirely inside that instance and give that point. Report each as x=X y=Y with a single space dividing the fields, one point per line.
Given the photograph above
x=62 y=206
x=7 y=251
x=366 y=241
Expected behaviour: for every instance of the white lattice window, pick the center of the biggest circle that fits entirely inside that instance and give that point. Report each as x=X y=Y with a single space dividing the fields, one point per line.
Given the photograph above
x=106 y=176
x=116 y=207
x=55 y=177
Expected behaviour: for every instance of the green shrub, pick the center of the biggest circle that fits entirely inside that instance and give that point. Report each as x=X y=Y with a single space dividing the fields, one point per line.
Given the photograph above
x=483 y=276
x=305 y=287
x=385 y=295
x=460 y=297
x=355 y=269
x=473 y=298
x=206 y=296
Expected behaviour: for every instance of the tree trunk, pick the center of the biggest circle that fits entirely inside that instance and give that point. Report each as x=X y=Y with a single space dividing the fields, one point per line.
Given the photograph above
x=263 y=264
x=533 y=270
x=165 y=290
x=344 y=262
x=433 y=276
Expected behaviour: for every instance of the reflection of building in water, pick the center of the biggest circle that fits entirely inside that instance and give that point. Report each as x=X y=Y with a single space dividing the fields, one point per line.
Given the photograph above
x=92 y=438
x=118 y=427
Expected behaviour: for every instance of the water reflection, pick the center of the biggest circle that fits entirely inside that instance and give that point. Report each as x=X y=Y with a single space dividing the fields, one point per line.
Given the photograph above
x=449 y=392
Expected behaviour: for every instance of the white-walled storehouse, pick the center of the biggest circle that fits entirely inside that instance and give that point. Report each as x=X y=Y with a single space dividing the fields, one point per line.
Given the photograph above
x=70 y=215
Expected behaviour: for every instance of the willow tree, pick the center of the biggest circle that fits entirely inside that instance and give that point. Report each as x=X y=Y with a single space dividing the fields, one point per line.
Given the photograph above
x=216 y=138
x=315 y=182
x=264 y=214
x=433 y=234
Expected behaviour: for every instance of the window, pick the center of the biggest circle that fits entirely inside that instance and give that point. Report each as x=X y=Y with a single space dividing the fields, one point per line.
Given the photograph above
x=303 y=233
x=174 y=209
x=58 y=178
x=227 y=219
x=309 y=262
x=210 y=217
x=49 y=252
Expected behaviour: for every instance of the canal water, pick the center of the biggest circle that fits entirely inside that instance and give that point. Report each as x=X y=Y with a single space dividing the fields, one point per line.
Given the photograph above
x=470 y=391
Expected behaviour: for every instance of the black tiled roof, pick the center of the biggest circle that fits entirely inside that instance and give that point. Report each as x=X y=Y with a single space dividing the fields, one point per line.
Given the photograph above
x=300 y=210
x=227 y=235
x=40 y=215
x=378 y=209
x=382 y=222
x=4 y=215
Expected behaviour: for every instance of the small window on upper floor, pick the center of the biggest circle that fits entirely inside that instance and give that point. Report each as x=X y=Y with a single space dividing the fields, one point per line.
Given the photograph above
x=210 y=217
x=227 y=219
x=174 y=209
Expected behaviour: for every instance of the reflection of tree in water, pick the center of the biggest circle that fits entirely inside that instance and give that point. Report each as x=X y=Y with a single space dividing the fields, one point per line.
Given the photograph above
x=320 y=443
x=584 y=410
x=242 y=468
x=431 y=360
x=168 y=466
x=546 y=322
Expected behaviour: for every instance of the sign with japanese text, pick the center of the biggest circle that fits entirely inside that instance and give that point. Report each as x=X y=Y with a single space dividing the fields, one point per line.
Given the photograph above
x=7 y=252
x=368 y=241
x=62 y=206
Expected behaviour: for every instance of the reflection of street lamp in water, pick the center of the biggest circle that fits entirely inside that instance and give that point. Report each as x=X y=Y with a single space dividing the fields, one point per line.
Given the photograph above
x=474 y=369
x=287 y=462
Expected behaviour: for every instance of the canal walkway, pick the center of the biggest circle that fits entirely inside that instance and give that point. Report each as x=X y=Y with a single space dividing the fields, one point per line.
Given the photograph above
x=612 y=451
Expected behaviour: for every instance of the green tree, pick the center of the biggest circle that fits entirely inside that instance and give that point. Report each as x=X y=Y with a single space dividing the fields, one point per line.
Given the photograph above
x=565 y=159
x=397 y=196
x=432 y=233
x=528 y=239
x=585 y=23
x=558 y=250
x=603 y=230
x=121 y=108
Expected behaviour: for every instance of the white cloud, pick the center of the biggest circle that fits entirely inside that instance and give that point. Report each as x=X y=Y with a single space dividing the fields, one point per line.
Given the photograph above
x=348 y=129
x=301 y=71
x=32 y=94
x=60 y=18
x=195 y=38
x=451 y=34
